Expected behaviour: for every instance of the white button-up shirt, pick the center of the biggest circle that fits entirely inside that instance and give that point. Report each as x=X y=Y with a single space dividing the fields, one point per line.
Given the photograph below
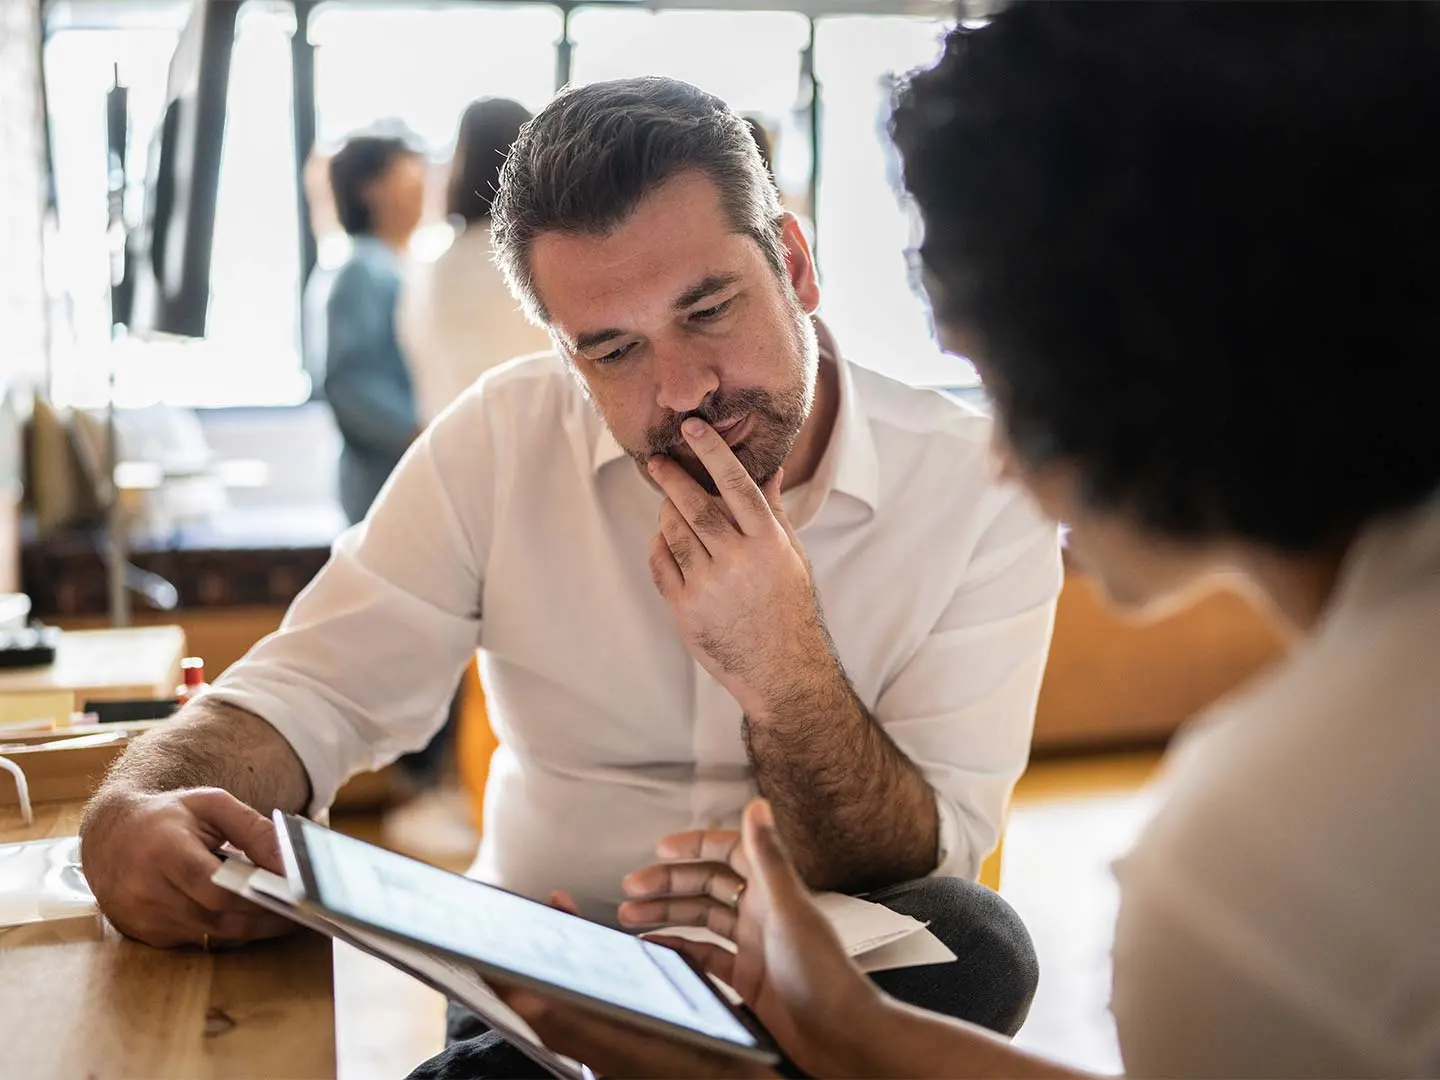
x=517 y=524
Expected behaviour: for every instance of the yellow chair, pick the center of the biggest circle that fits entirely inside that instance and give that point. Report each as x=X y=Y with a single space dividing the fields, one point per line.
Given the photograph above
x=990 y=868
x=475 y=742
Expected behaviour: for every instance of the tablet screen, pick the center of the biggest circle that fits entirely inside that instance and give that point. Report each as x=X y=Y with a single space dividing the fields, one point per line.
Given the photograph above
x=370 y=885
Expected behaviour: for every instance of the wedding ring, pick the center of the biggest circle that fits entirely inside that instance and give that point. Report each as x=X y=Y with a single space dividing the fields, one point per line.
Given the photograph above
x=739 y=892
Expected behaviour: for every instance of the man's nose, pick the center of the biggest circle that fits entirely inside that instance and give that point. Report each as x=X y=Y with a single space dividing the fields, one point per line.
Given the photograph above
x=683 y=381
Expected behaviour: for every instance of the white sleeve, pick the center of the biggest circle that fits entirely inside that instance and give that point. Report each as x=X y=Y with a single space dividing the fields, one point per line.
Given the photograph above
x=367 y=659
x=963 y=706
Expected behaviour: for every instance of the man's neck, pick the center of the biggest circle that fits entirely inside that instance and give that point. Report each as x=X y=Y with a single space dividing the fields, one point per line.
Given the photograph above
x=819 y=426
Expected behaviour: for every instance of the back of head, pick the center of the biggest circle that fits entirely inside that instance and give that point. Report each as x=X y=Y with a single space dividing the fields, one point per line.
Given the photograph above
x=488 y=128
x=588 y=159
x=356 y=165
x=1195 y=245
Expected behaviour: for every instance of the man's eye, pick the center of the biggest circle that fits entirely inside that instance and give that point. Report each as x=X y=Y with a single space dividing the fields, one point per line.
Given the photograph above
x=613 y=356
x=710 y=313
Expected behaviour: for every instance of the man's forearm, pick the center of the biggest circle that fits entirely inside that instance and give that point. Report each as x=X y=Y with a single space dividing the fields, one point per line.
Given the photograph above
x=855 y=811
x=211 y=744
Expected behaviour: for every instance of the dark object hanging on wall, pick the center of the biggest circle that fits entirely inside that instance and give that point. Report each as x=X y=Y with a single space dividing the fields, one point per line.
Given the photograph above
x=167 y=259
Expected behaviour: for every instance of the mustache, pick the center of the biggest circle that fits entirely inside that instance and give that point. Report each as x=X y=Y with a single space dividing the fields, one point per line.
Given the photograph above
x=718 y=408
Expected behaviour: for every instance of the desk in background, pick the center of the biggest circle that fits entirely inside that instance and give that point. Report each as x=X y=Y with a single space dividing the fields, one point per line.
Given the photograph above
x=106 y=665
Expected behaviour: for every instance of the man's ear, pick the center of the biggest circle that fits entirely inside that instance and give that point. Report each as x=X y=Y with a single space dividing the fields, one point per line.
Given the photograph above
x=800 y=264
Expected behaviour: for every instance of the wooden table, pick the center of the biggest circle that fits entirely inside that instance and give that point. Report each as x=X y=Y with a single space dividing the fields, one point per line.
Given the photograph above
x=79 y=1000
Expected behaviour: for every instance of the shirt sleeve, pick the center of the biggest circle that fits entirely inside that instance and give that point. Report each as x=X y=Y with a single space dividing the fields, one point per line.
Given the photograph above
x=963 y=706
x=366 y=380
x=366 y=661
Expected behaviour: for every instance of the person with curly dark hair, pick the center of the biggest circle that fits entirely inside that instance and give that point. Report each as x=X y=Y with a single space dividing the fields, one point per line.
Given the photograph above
x=1191 y=248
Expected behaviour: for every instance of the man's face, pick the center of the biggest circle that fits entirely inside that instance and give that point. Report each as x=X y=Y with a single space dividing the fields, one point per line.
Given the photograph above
x=673 y=315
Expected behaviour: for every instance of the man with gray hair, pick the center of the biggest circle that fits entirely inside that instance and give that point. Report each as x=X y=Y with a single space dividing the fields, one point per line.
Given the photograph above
x=751 y=606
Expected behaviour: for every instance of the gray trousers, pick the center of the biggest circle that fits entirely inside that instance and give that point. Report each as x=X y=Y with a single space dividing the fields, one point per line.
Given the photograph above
x=991 y=983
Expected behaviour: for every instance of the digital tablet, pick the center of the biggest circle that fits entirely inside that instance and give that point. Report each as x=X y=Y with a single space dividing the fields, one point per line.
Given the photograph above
x=513 y=939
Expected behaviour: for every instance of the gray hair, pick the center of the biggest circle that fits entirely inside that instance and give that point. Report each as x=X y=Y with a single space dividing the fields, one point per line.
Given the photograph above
x=588 y=159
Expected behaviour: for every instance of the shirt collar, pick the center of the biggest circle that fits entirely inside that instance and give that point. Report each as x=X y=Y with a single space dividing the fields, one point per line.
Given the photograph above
x=848 y=466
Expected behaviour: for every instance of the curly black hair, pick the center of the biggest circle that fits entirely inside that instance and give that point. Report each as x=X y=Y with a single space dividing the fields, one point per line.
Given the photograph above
x=1198 y=245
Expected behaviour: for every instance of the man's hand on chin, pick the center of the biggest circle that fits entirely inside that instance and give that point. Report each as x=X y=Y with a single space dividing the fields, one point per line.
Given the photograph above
x=737 y=580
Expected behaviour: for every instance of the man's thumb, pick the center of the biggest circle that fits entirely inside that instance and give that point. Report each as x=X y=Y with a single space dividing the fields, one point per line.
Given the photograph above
x=250 y=831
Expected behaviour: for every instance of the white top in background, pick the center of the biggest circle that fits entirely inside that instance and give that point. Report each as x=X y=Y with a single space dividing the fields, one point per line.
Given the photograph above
x=517 y=524
x=1281 y=914
x=457 y=320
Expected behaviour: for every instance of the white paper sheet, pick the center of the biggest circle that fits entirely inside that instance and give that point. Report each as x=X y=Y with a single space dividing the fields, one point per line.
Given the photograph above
x=875 y=937
x=41 y=880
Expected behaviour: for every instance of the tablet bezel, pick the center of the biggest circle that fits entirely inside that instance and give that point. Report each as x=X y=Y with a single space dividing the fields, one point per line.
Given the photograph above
x=290 y=831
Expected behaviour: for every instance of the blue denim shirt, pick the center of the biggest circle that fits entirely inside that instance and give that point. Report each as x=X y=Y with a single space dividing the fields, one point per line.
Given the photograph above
x=366 y=380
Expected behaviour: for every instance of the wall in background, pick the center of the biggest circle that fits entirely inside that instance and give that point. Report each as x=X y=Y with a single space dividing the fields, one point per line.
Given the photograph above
x=22 y=202
x=22 y=285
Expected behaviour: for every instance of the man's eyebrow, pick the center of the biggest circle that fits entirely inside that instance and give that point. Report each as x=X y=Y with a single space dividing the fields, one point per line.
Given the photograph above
x=706 y=286
x=591 y=338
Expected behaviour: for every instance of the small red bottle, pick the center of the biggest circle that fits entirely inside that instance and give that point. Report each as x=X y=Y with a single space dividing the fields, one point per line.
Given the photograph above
x=192 y=669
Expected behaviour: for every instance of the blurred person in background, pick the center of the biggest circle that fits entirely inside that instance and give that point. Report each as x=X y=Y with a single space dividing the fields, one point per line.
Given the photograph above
x=378 y=184
x=457 y=317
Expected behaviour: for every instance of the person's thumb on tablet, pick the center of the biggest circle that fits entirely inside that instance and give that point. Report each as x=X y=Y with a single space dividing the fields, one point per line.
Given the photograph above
x=770 y=865
x=231 y=820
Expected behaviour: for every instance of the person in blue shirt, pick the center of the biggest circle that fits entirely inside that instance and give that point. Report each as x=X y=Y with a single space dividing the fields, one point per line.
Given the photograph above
x=379 y=188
